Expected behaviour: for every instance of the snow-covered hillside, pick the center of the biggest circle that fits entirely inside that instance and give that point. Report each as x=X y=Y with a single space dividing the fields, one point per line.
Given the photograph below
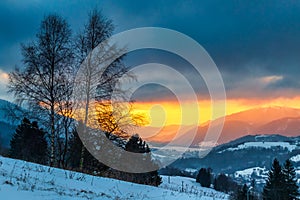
x=260 y=174
x=24 y=180
x=263 y=145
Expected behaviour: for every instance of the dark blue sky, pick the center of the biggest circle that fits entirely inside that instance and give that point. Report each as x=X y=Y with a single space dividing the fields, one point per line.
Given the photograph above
x=250 y=41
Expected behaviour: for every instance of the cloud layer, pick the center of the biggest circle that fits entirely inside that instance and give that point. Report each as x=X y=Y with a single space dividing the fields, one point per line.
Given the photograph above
x=255 y=44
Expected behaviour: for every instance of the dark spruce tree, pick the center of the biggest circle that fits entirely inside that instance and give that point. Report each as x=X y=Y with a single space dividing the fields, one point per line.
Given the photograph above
x=290 y=186
x=225 y=184
x=75 y=146
x=244 y=193
x=204 y=177
x=28 y=143
x=91 y=164
x=240 y=193
x=274 y=187
x=136 y=145
x=2 y=149
x=221 y=183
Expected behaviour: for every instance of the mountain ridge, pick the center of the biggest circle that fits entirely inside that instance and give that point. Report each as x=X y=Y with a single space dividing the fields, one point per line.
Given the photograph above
x=249 y=122
x=245 y=154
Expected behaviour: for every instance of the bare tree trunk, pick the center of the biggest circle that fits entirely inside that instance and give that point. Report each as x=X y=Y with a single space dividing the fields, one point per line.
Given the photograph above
x=86 y=114
x=65 y=148
x=52 y=140
x=81 y=158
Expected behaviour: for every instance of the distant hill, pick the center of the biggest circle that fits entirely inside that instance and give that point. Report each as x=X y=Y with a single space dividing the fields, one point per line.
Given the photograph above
x=289 y=126
x=245 y=154
x=272 y=120
x=11 y=116
x=8 y=122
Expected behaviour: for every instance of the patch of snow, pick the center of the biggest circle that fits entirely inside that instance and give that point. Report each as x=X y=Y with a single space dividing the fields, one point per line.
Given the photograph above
x=261 y=136
x=191 y=170
x=247 y=173
x=295 y=158
x=169 y=154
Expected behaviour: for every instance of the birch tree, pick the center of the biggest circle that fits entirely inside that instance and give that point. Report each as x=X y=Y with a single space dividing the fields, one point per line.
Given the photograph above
x=39 y=82
x=101 y=67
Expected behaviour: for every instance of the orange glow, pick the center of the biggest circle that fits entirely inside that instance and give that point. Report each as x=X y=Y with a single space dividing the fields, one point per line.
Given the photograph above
x=114 y=118
x=166 y=113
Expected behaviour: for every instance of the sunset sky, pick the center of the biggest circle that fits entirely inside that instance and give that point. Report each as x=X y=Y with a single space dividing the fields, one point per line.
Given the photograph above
x=255 y=45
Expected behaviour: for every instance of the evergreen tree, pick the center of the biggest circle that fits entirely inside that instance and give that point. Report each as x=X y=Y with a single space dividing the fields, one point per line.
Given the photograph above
x=29 y=143
x=274 y=189
x=225 y=184
x=75 y=146
x=2 y=150
x=221 y=183
x=135 y=144
x=91 y=164
x=204 y=177
x=290 y=186
x=240 y=193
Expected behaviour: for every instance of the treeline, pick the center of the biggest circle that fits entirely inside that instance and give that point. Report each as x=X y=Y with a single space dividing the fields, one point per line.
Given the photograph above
x=220 y=182
x=29 y=144
x=45 y=85
x=281 y=184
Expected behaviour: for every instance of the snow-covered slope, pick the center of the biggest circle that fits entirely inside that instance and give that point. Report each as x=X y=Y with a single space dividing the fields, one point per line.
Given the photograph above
x=263 y=145
x=24 y=180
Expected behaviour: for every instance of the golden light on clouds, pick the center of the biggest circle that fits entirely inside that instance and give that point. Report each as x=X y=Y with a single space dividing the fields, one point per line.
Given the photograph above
x=171 y=113
x=3 y=77
x=167 y=113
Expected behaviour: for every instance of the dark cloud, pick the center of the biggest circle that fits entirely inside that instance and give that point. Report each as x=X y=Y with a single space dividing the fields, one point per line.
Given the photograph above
x=246 y=39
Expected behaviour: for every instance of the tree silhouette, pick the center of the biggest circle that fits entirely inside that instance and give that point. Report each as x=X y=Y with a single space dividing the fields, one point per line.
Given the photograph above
x=40 y=82
x=290 y=186
x=136 y=145
x=224 y=183
x=93 y=86
x=29 y=143
x=274 y=187
x=204 y=177
x=91 y=164
x=243 y=193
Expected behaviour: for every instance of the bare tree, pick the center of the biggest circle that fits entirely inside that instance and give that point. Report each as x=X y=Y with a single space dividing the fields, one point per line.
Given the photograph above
x=117 y=119
x=65 y=113
x=94 y=52
x=39 y=83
